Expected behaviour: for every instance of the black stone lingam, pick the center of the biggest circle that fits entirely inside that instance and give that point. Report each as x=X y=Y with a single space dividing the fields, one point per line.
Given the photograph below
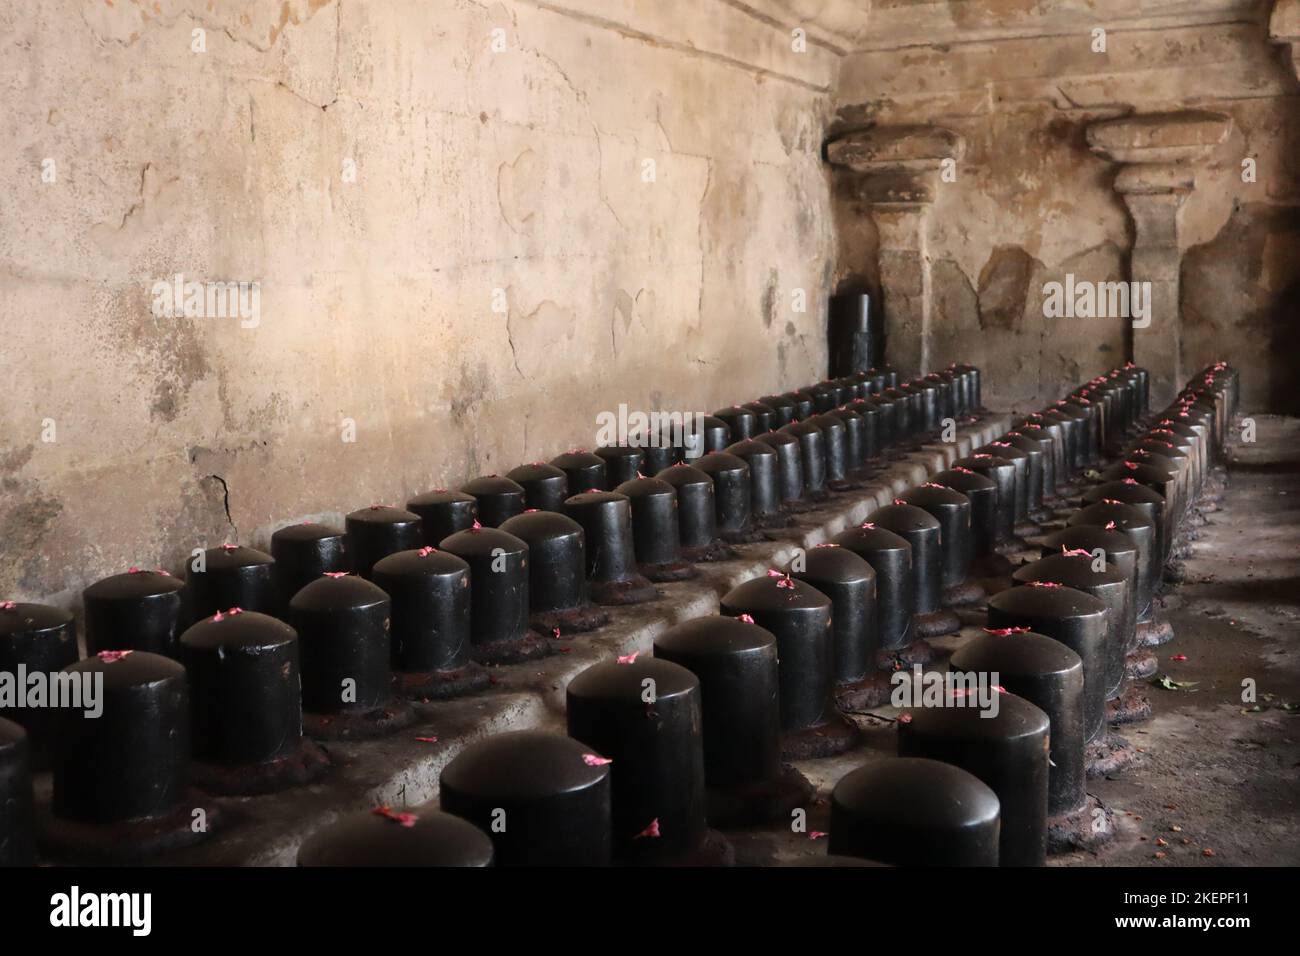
x=919 y=528
x=1151 y=503
x=545 y=487
x=850 y=583
x=1050 y=676
x=802 y=403
x=764 y=416
x=585 y=471
x=140 y=610
x=35 y=638
x=120 y=779
x=952 y=510
x=982 y=492
x=655 y=537
x=835 y=448
x=789 y=465
x=1136 y=523
x=1006 y=747
x=855 y=443
x=1103 y=581
x=1042 y=428
x=499 y=499
x=697 y=515
x=622 y=463
x=17 y=803
x=1002 y=473
x=542 y=798
x=498 y=591
x=606 y=520
x=742 y=423
x=1030 y=436
x=1039 y=451
x=870 y=415
x=764 y=481
x=429 y=636
x=911 y=811
x=732 y=495
x=231 y=576
x=713 y=434
x=735 y=661
x=645 y=716
x=303 y=552
x=890 y=556
x=442 y=513
x=378 y=531
x=1029 y=482
x=246 y=706
x=557 y=574
x=1157 y=480
x=343 y=623
x=658 y=455
x=387 y=837
x=1121 y=551
x=1020 y=462
x=1078 y=621
x=799 y=616
x=812 y=453
x=783 y=410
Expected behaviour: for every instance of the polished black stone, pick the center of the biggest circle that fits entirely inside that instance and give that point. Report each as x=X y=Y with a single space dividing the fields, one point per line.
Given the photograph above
x=378 y=531
x=385 y=837
x=430 y=594
x=343 y=627
x=443 y=513
x=542 y=798
x=303 y=552
x=232 y=576
x=499 y=499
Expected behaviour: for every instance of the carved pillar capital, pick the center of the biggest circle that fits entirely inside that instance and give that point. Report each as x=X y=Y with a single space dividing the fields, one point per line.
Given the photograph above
x=1157 y=154
x=897 y=170
x=1284 y=27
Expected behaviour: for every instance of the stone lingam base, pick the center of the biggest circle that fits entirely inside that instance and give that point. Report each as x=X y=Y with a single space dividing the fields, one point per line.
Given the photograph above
x=1088 y=828
x=669 y=571
x=965 y=594
x=636 y=589
x=1132 y=706
x=1107 y=755
x=305 y=765
x=1140 y=665
x=441 y=684
x=380 y=721
x=1154 y=633
x=936 y=623
x=869 y=691
x=766 y=802
x=512 y=650
x=909 y=655
x=129 y=841
x=573 y=620
x=834 y=736
x=710 y=553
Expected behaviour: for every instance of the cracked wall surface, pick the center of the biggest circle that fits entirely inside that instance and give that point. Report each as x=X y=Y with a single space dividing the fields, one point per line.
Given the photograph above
x=458 y=249
x=1031 y=204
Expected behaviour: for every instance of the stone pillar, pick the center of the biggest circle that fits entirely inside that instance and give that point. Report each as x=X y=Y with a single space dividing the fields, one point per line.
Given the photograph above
x=1157 y=153
x=897 y=169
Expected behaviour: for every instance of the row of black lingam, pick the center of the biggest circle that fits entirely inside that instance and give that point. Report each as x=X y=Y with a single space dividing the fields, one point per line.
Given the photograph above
x=334 y=631
x=660 y=749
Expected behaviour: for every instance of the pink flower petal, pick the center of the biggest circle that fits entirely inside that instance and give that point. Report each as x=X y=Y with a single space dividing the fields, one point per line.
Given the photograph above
x=591 y=760
x=112 y=657
x=7 y=605
x=427 y=740
x=425 y=552
x=629 y=658
x=404 y=819
x=650 y=832
x=336 y=574
x=816 y=834
x=748 y=619
x=1006 y=631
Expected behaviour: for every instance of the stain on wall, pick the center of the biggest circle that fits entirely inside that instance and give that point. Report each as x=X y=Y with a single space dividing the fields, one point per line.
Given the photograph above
x=460 y=256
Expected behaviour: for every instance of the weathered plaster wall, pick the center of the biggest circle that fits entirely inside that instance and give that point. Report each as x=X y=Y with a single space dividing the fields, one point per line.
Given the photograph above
x=1030 y=203
x=476 y=171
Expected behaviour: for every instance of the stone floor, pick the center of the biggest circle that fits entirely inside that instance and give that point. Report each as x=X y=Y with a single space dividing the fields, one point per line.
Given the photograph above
x=1216 y=778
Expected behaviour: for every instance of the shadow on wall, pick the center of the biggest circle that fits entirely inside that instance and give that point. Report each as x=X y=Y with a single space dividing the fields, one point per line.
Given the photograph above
x=1241 y=303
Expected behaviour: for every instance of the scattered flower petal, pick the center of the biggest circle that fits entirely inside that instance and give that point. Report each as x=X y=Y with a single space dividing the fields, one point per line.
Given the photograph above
x=591 y=760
